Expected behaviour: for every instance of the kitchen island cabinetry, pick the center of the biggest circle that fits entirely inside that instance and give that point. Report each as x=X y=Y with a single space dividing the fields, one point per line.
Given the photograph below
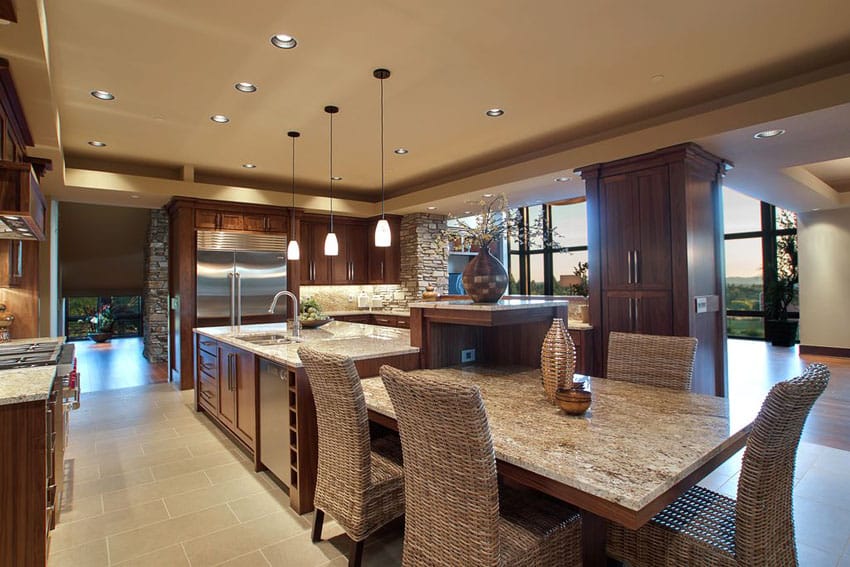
x=229 y=359
x=378 y=318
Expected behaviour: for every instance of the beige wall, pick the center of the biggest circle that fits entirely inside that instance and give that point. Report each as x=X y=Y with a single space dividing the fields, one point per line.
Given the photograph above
x=101 y=249
x=824 y=245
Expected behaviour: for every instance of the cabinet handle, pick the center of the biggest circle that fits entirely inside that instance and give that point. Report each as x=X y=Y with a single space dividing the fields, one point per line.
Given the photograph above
x=382 y=269
x=207 y=343
x=636 y=263
x=629 y=266
x=637 y=314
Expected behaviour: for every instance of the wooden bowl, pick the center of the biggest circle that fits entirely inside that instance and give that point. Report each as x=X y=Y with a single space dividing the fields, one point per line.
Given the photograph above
x=313 y=323
x=573 y=401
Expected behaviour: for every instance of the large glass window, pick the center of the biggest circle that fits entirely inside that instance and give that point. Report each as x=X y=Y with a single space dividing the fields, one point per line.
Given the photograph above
x=757 y=234
x=540 y=266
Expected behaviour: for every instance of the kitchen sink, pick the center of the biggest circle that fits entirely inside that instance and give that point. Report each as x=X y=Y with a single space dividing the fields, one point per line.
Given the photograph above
x=270 y=339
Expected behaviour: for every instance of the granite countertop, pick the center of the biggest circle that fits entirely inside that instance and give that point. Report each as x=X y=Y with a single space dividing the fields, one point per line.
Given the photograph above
x=502 y=305
x=633 y=444
x=18 y=385
x=357 y=340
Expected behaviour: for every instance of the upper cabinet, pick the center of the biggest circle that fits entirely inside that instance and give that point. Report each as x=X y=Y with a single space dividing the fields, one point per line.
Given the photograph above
x=221 y=218
x=385 y=263
x=22 y=206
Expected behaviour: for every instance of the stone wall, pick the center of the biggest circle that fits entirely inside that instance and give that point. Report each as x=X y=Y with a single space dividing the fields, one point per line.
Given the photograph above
x=424 y=259
x=155 y=317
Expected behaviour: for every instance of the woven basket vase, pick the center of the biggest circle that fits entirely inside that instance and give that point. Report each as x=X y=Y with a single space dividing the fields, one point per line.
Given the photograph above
x=557 y=359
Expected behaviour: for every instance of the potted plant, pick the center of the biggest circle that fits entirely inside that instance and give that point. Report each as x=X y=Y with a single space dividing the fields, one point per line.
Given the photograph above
x=101 y=324
x=779 y=294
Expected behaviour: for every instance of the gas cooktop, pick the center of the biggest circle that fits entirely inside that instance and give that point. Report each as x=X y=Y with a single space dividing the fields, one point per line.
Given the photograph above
x=25 y=355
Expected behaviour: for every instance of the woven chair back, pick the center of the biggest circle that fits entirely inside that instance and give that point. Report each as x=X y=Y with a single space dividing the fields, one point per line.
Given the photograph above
x=653 y=360
x=451 y=489
x=344 y=467
x=764 y=515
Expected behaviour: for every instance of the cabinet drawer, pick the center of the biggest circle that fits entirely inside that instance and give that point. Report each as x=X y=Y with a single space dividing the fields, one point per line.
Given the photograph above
x=208 y=345
x=207 y=390
x=208 y=362
x=403 y=322
x=384 y=320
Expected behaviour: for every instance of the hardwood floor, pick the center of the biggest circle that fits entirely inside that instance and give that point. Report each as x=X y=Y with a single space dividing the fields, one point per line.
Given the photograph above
x=116 y=364
x=755 y=366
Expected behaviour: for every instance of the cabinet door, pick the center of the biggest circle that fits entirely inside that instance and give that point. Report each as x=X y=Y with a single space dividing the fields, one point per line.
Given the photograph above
x=653 y=313
x=231 y=221
x=358 y=252
x=275 y=223
x=255 y=223
x=618 y=313
x=245 y=376
x=653 y=269
x=227 y=364
x=314 y=263
x=385 y=263
x=339 y=266
x=619 y=231
x=206 y=218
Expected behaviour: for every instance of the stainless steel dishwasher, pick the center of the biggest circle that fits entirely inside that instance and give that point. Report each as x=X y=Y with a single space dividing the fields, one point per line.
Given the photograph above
x=274 y=428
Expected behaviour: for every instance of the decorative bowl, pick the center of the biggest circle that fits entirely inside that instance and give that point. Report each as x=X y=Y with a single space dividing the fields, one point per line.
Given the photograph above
x=313 y=323
x=573 y=401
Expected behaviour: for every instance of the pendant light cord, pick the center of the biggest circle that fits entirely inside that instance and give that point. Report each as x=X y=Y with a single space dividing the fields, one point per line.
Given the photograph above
x=331 y=167
x=382 y=148
x=293 y=172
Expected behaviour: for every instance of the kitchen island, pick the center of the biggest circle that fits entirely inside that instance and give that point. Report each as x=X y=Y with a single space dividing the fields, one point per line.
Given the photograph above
x=242 y=370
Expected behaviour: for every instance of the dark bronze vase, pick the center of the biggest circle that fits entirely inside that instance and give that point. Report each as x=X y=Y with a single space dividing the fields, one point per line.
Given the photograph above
x=485 y=278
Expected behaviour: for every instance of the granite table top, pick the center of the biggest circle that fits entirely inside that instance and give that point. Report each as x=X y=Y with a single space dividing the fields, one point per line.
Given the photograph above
x=634 y=443
x=356 y=340
x=18 y=385
x=501 y=305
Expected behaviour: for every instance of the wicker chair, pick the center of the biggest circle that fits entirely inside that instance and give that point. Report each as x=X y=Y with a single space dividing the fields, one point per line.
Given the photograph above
x=456 y=512
x=705 y=528
x=651 y=359
x=360 y=481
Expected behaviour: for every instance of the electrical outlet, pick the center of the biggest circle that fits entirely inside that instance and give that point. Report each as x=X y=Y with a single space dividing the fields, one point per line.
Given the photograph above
x=351 y=298
x=467 y=355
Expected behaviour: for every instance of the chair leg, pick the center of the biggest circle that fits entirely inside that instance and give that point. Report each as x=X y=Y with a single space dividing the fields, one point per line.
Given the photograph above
x=318 y=521
x=356 y=555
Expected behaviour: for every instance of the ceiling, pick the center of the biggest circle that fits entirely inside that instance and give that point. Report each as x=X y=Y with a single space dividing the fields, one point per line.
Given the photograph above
x=580 y=82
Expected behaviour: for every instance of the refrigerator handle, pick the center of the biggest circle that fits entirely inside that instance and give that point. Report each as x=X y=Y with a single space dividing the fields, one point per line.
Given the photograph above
x=238 y=298
x=232 y=299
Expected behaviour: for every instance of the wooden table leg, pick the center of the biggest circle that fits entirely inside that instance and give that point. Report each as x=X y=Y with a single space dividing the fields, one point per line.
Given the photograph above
x=593 y=540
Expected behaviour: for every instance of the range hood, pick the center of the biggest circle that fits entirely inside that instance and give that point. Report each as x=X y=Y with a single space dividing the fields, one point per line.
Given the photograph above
x=22 y=206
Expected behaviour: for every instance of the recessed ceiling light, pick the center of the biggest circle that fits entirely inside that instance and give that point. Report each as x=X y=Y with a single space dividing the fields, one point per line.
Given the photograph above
x=283 y=41
x=467 y=212
x=432 y=208
x=657 y=78
x=487 y=195
x=401 y=151
x=249 y=165
x=103 y=95
x=495 y=112
x=336 y=178
x=562 y=179
x=768 y=134
x=220 y=118
x=97 y=143
x=246 y=87
x=134 y=197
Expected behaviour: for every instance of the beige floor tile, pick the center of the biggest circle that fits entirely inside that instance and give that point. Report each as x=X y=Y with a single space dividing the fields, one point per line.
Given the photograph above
x=92 y=554
x=210 y=446
x=80 y=473
x=821 y=525
x=136 y=495
x=269 y=501
x=135 y=543
x=72 y=534
x=74 y=509
x=177 y=468
x=195 y=500
x=169 y=433
x=244 y=538
x=187 y=441
x=231 y=471
x=299 y=551
x=112 y=483
x=111 y=465
x=168 y=557
x=253 y=559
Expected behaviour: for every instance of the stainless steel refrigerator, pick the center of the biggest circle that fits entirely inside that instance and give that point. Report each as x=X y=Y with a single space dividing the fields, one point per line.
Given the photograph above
x=238 y=274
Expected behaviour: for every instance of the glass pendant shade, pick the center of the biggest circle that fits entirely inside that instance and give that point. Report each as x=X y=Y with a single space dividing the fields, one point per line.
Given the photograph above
x=293 y=251
x=383 y=236
x=331 y=245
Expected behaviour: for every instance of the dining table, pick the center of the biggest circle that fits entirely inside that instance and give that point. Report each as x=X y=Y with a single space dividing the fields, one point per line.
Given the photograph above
x=634 y=451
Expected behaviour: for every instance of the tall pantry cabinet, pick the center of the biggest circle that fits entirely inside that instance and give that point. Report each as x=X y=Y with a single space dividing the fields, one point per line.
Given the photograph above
x=655 y=240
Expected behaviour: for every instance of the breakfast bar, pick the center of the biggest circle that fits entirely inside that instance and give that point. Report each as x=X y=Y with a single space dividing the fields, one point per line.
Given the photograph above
x=635 y=450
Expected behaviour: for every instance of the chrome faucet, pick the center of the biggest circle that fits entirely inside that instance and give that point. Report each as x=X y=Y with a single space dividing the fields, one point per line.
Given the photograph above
x=296 y=324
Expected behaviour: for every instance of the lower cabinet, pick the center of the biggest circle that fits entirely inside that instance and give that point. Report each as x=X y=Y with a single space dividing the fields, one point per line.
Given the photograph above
x=226 y=386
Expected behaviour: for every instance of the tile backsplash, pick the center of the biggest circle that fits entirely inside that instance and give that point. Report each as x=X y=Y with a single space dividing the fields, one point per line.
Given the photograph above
x=344 y=297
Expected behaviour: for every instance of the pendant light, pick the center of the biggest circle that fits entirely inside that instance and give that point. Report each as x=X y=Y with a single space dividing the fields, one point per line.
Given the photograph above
x=331 y=243
x=383 y=236
x=293 y=252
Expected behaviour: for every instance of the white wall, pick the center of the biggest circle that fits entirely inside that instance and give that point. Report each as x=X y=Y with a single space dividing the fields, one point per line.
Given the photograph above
x=824 y=268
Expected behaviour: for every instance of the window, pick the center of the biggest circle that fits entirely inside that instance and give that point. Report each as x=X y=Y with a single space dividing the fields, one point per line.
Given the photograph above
x=538 y=267
x=754 y=231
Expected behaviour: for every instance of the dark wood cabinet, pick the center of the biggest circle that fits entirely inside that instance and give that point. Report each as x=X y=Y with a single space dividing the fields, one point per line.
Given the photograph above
x=226 y=219
x=385 y=263
x=380 y=319
x=264 y=223
x=655 y=235
x=226 y=385
x=352 y=264
x=315 y=266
